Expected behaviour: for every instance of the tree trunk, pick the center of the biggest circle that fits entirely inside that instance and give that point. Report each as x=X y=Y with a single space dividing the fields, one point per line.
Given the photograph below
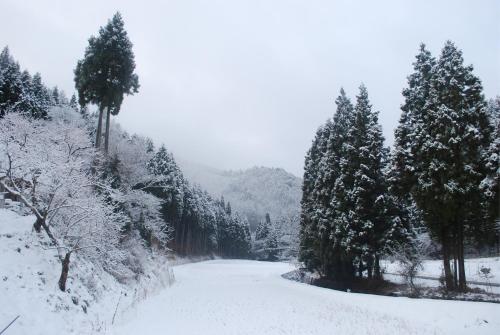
x=325 y=268
x=369 y=267
x=64 y=272
x=448 y=277
x=498 y=244
x=40 y=222
x=183 y=239
x=455 y=271
x=376 y=269
x=99 y=128
x=462 y=282
x=38 y=225
x=106 y=139
x=455 y=255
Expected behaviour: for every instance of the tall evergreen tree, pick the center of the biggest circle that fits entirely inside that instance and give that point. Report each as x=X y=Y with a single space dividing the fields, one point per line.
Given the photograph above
x=73 y=103
x=440 y=142
x=348 y=219
x=41 y=95
x=309 y=246
x=362 y=209
x=272 y=244
x=261 y=231
x=56 y=99
x=168 y=185
x=491 y=183
x=333 y=256
x=106 y=73
x=266 y=240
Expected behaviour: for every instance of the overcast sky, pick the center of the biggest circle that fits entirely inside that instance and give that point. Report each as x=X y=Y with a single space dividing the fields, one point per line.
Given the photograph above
x=233 y=84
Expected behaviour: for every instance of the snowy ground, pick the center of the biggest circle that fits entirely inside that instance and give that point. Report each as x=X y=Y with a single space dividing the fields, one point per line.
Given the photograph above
x=211 y=297
x=250 y=297
x=28 y=285
x=29 y=272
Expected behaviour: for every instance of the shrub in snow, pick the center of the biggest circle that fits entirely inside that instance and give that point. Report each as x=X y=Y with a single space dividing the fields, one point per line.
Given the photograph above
x=484 y=273
x=411 y=256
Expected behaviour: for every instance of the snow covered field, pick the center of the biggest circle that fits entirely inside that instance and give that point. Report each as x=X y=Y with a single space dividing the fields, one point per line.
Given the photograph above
x=250 y=297
x=434 y=269
x=211 y=297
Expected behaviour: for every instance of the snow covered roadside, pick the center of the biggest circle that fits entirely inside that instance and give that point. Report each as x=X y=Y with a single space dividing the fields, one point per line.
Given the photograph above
x=29 y=273
x=250 y=297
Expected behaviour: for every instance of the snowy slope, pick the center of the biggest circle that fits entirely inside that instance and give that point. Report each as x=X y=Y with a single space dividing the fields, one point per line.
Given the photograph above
x=250 y=297
x=29 y=272
x=252 y=192
x=28 y=285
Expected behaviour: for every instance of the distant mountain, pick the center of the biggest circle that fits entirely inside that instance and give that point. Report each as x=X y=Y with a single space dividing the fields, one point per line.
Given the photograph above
x=252 y=192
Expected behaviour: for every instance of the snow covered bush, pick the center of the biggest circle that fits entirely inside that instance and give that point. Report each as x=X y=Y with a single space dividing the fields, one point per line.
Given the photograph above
x=47 y=165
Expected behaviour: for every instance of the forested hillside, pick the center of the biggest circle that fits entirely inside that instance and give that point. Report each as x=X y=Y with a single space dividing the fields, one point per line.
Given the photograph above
x=252 y=192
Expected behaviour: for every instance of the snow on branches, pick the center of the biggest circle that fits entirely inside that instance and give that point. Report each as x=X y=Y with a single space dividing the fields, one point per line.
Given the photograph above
x=46 y=165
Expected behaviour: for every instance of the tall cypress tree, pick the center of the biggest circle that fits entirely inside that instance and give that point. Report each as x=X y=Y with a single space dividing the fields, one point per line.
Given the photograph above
x=106 y=73
x=309 y=223
x=362 y=219
x=460 y=132
x=347 y=217
x=168 y=186
x=329 y=173
x=440 y=145
x=41 y=95
x=490 y=185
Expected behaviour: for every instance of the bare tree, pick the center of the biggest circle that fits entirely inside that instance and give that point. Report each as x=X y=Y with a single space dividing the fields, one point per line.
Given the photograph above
x=47 y=167
x=411 y=255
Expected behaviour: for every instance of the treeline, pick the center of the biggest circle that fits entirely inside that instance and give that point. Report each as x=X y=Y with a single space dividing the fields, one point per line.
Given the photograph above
x=200 y=225
x=362 y=201
x=23 y=93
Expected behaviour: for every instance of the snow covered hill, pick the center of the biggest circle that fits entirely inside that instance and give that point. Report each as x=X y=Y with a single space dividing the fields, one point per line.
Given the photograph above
x=29 y=272
x=249 y=297
x=28 y=287
x=252 y=192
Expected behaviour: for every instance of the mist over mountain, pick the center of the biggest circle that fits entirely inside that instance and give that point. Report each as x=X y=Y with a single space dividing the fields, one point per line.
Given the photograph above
x=252 y=192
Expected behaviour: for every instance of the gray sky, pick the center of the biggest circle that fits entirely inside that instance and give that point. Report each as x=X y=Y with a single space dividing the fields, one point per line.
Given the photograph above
x=233 y=84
